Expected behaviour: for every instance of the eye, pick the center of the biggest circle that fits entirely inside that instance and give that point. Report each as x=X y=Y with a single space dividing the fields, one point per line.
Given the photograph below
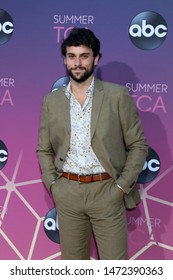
x=85 y=56
x=71 y=56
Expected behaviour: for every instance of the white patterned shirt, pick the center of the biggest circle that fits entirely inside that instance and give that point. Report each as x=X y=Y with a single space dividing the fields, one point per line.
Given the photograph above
x=81 y=158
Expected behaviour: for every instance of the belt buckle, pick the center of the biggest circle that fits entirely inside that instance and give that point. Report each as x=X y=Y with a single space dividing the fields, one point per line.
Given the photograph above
x=88 y=175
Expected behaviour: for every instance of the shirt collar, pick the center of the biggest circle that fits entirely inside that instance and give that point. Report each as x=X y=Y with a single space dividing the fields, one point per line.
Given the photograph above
x=89 y=91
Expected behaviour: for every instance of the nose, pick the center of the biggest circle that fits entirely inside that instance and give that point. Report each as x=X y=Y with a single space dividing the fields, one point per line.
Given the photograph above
x=77 y=61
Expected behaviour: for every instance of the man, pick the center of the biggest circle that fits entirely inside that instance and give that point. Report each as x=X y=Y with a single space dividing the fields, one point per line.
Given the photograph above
x=91 y=150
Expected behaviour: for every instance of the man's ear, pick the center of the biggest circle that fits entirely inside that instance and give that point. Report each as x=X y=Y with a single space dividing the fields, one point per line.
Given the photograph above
x=96 y=60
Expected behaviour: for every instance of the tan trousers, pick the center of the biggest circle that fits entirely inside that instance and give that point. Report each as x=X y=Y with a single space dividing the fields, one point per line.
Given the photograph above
x=96 y=207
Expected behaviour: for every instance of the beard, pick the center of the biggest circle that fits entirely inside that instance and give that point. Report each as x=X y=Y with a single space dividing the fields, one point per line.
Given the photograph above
x=83 y=77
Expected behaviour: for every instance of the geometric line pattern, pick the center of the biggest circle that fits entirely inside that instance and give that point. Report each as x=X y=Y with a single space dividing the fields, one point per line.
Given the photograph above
x=13 y=187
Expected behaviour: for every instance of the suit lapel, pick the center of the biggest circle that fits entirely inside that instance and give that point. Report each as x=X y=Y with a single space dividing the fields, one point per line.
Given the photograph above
x=66 y=106
x=96 y=106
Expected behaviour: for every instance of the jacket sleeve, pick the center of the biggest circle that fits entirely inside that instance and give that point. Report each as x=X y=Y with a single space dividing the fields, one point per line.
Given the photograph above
x=45 y=151
x=134 y=140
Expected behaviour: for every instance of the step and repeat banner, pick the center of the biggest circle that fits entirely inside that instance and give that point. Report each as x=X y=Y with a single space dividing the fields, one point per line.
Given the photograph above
x=136 y=45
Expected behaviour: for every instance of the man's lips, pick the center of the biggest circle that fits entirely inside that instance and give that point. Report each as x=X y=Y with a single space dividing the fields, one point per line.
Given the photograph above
x=78 y=69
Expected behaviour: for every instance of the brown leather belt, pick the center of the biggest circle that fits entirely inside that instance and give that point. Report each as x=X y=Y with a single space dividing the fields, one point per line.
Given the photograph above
x=86 y=178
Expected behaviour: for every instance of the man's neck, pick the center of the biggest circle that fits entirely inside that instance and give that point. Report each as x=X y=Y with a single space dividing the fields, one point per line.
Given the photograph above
x=80 y=88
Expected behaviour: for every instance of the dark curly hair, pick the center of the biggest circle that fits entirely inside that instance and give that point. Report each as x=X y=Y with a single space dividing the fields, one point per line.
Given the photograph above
x=81 y=36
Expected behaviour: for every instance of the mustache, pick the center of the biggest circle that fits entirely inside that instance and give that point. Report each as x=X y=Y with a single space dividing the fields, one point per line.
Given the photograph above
x=78 y=68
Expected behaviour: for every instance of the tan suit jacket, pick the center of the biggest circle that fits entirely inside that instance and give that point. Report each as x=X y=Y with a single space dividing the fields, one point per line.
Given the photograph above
x=117 y=137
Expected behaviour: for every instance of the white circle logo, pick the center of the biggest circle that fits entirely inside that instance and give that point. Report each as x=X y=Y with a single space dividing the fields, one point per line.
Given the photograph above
x=51 y=226
x=148 y=30
x=151 y=167
x=3 y=154
x=6 y=27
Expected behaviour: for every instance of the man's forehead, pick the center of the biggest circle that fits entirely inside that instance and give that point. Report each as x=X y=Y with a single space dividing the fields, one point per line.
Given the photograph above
x=78 y=49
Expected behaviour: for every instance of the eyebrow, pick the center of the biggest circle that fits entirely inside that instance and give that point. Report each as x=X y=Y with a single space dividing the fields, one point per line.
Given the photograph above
x=85 y=53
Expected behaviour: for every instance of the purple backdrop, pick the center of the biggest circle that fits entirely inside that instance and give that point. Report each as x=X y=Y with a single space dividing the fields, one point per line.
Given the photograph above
x=30 y=65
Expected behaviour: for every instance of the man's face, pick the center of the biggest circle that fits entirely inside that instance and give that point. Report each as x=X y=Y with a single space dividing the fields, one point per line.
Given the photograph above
x=80 y=62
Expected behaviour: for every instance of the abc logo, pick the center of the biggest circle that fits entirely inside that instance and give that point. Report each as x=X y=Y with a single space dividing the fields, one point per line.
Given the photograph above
x=151 y=168
x=51 y=227
x=6 y=27
x=62 y=82
x=3 y=155
x=148 y=30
